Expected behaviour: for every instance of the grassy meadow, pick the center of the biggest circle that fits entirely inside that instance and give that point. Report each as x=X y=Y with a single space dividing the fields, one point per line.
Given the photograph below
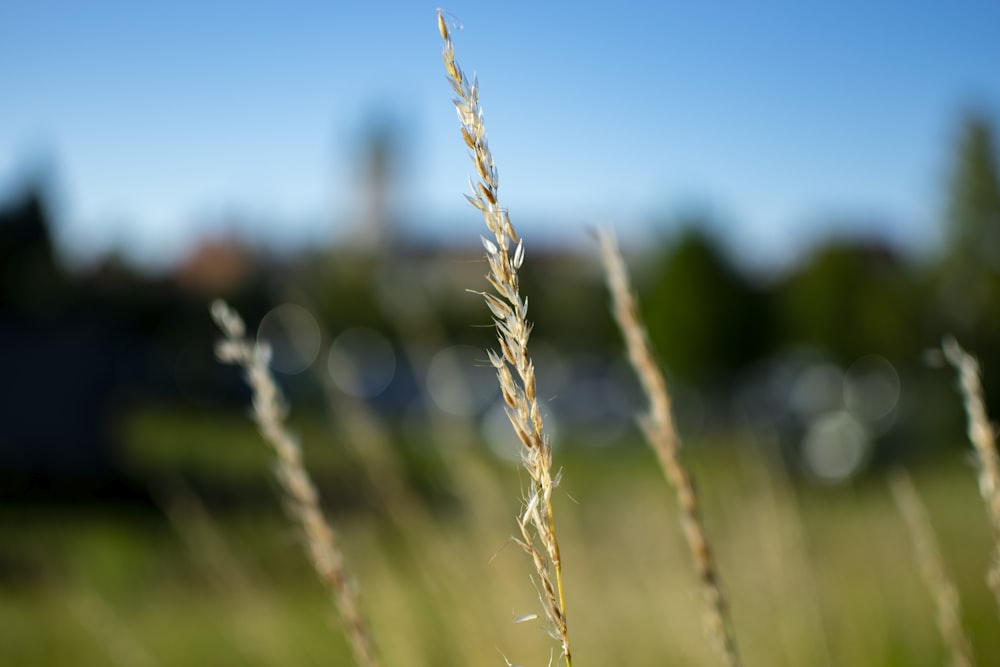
x=815 y=575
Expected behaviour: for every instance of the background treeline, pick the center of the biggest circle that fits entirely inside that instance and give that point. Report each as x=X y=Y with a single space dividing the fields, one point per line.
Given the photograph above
x=115 y=336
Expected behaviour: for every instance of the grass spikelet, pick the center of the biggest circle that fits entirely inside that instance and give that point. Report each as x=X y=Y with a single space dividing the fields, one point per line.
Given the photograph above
x=509 y=310
x=658 y=427
x=928 y=556
x=301 y=499
x=983 y=439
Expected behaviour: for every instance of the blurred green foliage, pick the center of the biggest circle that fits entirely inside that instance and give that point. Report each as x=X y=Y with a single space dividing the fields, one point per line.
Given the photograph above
x=704 y=317
x=707 y=318
x=854 y=300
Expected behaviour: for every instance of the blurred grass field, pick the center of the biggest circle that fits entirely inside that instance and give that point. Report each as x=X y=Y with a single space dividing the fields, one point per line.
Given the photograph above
x=816 y=575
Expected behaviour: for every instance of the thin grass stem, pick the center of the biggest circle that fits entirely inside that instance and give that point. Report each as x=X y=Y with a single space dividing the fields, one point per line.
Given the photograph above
x=928 y=555
x=301 y=498
x=983 y=439
x=658 y=427
x=505 y=253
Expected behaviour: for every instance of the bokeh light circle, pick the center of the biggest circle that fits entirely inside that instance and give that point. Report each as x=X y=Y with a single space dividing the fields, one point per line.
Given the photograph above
x=293 y=335
x=835 y=447
x=361 y=362
x=871 y=388
x=460 y=381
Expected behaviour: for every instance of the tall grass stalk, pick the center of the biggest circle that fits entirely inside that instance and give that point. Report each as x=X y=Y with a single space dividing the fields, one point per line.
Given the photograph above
x=658 y=427
x=224 y=571
x=786 y=559
x=301 y=499
x=928 y=556
x=203 y=539
x=983 y=439
x=536 y=521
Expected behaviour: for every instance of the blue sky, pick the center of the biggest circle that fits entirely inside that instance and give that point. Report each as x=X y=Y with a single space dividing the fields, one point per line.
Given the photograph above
x=159 y=123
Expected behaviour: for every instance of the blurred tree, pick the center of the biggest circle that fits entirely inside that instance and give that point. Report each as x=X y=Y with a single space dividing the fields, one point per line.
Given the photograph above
x=968 y=280
x=973 y=214
x=853 y=299
x=568 y=301
x=966 y=292
x=31 y=280
x=704 y=317
x=380 y=156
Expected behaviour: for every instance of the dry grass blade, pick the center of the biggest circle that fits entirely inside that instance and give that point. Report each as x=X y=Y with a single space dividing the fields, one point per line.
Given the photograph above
x=110 y=631
x=983 y=439
x=505 y=252
x=204 y=539
x=658 y=428
x=928 y=555
x=301 y=499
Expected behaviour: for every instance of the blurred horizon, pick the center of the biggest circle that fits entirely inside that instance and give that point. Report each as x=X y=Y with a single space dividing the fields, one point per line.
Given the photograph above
x=155 y=129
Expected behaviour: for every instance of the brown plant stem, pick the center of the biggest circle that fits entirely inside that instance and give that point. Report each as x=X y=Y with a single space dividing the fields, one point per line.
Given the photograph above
x=983 y=439
x=301 y=498
x=658 y=427
x=928 y=556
